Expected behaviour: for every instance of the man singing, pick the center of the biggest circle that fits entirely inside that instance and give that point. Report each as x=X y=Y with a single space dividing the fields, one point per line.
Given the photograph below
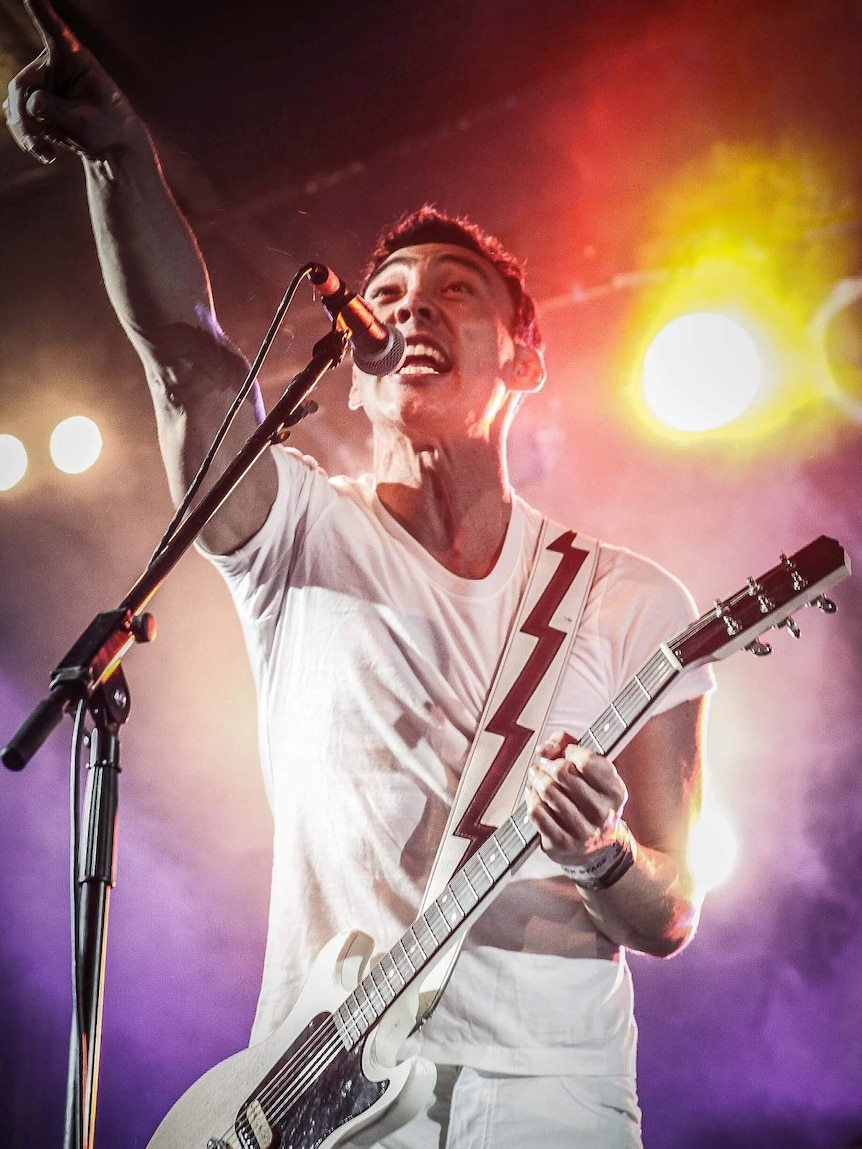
x=375 y=611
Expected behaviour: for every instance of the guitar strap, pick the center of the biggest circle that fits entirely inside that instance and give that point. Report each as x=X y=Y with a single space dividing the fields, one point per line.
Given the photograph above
x=522 y=692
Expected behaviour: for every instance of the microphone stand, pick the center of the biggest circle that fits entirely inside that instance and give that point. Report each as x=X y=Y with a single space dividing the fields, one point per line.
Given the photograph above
x=91 y=673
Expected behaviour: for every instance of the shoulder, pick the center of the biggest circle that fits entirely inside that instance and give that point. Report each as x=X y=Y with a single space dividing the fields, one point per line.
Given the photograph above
x=635 y=600
x=625 y=572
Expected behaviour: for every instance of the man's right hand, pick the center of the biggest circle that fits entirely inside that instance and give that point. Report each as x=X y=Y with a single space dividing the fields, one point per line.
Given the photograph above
x=65 y=99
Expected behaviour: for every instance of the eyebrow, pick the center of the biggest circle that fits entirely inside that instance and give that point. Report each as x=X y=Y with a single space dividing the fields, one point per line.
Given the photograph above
x=459 y=261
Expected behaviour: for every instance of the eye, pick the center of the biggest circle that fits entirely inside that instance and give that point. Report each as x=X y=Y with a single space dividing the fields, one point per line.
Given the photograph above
x=383 y=291
x=459 y=287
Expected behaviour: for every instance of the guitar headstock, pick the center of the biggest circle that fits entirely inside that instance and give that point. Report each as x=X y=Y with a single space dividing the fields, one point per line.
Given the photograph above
x=765 y=602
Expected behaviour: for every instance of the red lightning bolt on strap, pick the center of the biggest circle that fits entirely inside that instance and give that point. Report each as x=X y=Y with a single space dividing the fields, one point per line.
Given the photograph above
x=504 y=721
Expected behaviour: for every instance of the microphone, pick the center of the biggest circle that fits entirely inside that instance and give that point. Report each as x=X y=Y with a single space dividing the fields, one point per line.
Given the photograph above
x=377 y=348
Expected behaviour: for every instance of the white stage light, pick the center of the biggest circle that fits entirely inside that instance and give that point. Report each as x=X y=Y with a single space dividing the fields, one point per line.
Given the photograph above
x=701 y=371
x=75 y=444
x=13 y=461
x=712 y=848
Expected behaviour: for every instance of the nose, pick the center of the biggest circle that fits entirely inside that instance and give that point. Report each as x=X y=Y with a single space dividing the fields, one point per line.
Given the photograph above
x=416 y=303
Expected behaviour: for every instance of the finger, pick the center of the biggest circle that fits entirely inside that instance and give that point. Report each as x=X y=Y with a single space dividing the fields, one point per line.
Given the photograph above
x=51 y=28
x=56 y=115
x=556 y=744
x=564 y=791
x=27 y=133
x=558 y=832
x=577 y=813
x=599 y=772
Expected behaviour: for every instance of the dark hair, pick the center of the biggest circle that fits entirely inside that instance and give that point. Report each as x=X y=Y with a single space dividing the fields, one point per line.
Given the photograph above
x=430 y=225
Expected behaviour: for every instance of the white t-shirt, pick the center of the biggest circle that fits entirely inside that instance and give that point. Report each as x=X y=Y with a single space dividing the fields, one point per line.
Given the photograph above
x=372 y=663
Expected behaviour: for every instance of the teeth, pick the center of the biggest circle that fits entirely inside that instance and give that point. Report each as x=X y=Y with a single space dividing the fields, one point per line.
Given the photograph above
x=427 y=351
x=417 y=369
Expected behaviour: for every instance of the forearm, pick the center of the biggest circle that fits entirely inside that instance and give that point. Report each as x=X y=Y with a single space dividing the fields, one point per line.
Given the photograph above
x=653 y=908
x=153 y=270
x=157 y=282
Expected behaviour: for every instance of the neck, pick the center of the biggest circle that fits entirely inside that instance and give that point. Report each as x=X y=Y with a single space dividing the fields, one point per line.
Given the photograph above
x=453 y=499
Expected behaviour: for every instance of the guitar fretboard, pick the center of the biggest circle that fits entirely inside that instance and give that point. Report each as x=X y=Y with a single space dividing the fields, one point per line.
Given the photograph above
x=479 y=879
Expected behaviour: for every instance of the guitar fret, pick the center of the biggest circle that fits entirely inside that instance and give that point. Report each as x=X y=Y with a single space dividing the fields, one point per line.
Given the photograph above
x=415 y=936
x=511 y=841
x=521 y=816
x=348 y=1030
x=384 y=989
x=468 y=892
x=422 y=926
x=435 y=911
x=354 y=1022
x=449 y=908
x=366 y=1008
x=372 y=990
x=600 y=749
x=410 y=964
x=389 y=968
x=477 y=873
x=493 y=858
x=647 y=694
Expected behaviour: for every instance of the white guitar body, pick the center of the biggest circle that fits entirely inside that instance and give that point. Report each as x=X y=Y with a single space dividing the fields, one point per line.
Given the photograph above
x=323 y=1107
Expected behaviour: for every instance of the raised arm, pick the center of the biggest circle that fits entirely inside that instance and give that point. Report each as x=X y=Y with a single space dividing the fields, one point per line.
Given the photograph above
x=154 y=273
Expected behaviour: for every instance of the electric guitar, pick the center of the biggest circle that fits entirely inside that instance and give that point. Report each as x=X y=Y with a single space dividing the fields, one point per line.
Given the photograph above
x=329 y=1073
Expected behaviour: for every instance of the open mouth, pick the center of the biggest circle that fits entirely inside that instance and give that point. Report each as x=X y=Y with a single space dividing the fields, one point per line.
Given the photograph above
x=424 y=358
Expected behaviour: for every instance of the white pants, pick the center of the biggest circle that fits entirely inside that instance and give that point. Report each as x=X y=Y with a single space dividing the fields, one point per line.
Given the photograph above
x=475 y=1110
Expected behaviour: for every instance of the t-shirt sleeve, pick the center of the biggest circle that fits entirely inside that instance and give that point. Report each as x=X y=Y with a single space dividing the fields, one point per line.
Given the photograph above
x=258 y=573
x=634 y=606
x=644 y=606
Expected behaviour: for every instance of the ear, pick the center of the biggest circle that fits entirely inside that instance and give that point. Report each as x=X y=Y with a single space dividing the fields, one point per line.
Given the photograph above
x=354 y=399
x=528 y=369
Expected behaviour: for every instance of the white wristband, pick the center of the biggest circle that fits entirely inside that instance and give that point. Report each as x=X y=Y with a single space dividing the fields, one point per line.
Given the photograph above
x=606 y=866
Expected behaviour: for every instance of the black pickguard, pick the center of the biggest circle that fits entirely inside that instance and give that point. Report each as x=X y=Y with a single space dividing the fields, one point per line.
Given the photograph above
x=340 y=1093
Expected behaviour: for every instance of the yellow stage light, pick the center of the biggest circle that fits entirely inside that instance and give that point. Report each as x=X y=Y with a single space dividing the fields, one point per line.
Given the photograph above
x=731 y=234
x=13 y=461
x=76 y=444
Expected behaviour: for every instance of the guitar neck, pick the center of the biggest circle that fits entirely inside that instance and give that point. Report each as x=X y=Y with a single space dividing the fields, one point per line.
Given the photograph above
x=477 y=882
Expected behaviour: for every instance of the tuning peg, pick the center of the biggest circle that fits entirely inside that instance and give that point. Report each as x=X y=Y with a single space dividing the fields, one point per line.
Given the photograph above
x=799 y=583
x=790 y=625
x=761 y=649
x=825 y=604
x=755 y=589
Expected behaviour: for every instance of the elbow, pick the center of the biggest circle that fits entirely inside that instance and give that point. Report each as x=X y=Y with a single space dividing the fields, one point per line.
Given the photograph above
x=677 y=930
x=672 y=929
